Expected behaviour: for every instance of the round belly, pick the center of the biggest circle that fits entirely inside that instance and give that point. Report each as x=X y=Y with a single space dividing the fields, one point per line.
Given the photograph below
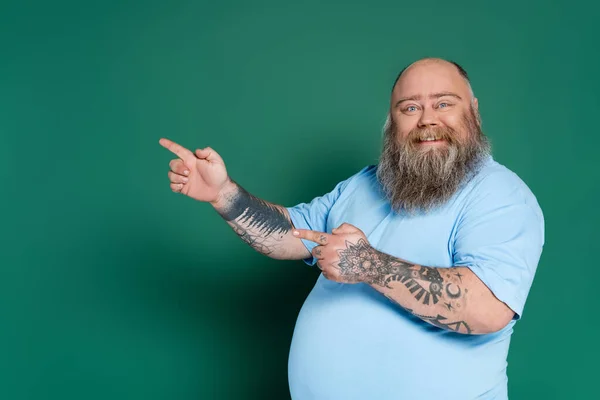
x=350 y=341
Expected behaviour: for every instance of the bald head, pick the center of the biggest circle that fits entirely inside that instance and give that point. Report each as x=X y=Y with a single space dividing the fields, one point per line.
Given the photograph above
x=424 y=61
x=436 y=69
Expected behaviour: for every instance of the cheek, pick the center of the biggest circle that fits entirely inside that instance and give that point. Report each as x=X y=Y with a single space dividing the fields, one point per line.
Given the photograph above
x=404 y=126
x=455 y=122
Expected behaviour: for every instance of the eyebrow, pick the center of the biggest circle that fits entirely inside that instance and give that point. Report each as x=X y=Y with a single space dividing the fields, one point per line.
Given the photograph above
x=431 y=96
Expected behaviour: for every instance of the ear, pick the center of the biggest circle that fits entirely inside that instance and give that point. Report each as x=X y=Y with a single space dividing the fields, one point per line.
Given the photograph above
x=475 y=107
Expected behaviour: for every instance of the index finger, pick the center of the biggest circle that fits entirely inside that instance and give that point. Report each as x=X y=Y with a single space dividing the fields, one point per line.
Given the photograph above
x=176 y=149
x=313 y=236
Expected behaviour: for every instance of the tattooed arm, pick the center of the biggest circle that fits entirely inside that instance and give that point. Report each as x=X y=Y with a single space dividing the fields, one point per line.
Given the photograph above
x=450 y=298
x=264 y=226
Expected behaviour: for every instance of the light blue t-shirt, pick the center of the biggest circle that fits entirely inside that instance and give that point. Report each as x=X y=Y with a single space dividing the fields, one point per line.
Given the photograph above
x=351 y=342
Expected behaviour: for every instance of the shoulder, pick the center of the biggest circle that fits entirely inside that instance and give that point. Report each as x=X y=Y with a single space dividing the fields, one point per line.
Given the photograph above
x=369 y=170
x=498 y=201
x=365 y=174
x=366 y=178
x=361 y=182
x=495 y=183
x=497 y=196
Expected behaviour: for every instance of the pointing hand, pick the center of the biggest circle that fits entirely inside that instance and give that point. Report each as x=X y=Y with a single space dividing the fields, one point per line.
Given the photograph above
x=200 y=175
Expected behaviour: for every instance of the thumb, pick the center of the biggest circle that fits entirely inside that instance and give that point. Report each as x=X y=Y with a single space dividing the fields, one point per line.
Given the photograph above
x=208 y=154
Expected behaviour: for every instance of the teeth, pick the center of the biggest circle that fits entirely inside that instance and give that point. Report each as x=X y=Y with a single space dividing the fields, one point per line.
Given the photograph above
x=428 y=140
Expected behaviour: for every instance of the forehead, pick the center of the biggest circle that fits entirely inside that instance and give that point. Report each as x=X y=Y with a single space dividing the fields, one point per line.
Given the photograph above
x=430 y=77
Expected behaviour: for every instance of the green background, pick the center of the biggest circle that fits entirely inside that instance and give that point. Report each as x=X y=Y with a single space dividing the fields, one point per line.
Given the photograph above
x=112 y=286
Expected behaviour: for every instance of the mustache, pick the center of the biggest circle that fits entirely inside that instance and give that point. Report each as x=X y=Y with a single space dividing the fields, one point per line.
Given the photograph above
x=439 y=133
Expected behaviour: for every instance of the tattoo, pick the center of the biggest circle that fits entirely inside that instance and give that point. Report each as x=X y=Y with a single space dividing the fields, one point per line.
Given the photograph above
x=256 y=222
x=256 y=241
x=318 y=252
x=440 y=322
x=255 y=213
x=412 y=281
x=360 y=262
x=454 y=294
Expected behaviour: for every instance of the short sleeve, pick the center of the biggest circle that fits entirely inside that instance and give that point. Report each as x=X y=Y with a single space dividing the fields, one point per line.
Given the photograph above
x=314 y=215
x=500 y=238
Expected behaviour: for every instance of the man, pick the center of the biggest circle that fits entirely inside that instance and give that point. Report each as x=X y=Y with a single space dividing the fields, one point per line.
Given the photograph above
x=426 y=258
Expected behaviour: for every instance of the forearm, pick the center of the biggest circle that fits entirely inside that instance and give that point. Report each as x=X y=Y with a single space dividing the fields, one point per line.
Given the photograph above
x=450 y=298
x=266 y=227
x=433 y=295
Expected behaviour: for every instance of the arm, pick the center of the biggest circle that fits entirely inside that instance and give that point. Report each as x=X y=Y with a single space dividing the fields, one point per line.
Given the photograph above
x=266 y=227
x=450 y=298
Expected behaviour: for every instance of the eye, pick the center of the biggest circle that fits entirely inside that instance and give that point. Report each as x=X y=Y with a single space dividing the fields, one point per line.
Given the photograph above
x=411 y=109
x=444 y=105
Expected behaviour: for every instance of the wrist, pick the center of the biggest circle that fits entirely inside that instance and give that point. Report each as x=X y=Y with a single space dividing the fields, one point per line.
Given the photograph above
x=225 y=194
x=374 y=258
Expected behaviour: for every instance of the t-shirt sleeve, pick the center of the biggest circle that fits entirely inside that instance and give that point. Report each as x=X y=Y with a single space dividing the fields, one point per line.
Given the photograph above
x=500 y=238
x=314 y=215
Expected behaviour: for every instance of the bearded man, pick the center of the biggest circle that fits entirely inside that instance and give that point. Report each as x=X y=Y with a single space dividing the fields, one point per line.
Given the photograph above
x=427 y=258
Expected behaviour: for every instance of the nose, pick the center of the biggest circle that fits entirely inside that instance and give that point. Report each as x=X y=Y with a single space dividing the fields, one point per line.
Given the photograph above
x=428 y=118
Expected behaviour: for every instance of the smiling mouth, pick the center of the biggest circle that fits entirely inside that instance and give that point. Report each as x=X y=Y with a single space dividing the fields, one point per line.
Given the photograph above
x=431 y=140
